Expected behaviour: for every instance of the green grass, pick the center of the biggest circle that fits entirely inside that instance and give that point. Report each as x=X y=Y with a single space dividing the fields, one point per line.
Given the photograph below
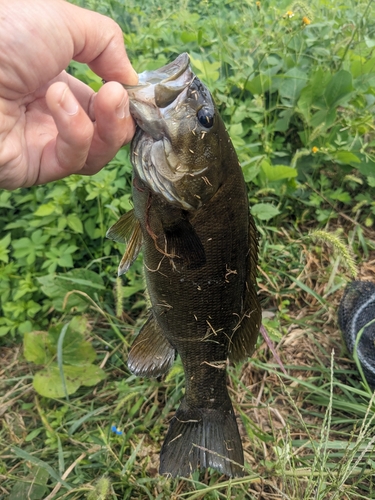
x=298 y=100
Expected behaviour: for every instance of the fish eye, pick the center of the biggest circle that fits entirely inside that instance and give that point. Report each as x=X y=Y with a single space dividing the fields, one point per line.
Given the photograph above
x=205 y=117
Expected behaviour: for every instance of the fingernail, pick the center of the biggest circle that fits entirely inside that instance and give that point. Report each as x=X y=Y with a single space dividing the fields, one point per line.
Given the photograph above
x=122 y=110
x=68 y=102
x=135 y=77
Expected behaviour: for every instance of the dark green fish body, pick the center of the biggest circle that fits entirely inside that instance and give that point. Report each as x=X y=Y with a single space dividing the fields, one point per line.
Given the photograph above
x=200 y=249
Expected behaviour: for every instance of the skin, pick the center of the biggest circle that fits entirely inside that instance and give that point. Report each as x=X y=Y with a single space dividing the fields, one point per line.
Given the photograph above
x=51 y=124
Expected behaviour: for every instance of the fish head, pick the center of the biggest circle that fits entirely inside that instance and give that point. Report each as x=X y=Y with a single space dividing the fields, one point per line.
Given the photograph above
x=177 y=150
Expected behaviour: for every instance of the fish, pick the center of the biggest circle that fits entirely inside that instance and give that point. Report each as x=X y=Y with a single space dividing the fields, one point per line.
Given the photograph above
x=192 y=221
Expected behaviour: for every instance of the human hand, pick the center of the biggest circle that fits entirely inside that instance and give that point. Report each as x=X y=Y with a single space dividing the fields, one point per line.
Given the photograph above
x=51 y=124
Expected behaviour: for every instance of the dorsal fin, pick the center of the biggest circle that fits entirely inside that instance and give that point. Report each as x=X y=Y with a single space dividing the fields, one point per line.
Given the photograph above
x=246 y=332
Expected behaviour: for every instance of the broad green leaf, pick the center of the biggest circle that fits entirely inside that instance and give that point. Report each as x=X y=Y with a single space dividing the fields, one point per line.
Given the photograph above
x=206 y=70
x=32 y=308
x=5 y=242
x=4 y=251
x=75 y=223
x=25 y=327
x=339 y=87
x=188 y=36
x=283 y=122
x=370 y=42
x=75 y=349
x=79 y=324
x=259 y=84
x=46 y=209
x=304 y=102
x=367 y=165
x=341 y=195
x=357 y=65
x=264 y=211
x=65 y=261
x=89 y=226
x=278 y=172
x=325 y=117
x=24 y=247
x=291 y=83
x=250 y=171
x=48 y=383
x=347 y=157
x=78 y=353
x=4 y=330
x=38 y=238
x=36 y=348
x=88 y=375
x=235 y=129
x=5 y=199
x=318 y=82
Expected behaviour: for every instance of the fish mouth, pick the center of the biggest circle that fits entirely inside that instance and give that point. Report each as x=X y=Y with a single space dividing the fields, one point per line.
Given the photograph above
x=159 y=88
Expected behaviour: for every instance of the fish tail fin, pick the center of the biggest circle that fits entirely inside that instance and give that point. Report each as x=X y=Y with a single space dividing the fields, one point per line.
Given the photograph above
x=201 y=438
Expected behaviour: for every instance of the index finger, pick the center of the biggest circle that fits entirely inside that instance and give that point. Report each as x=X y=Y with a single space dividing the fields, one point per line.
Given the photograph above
x=99 y=42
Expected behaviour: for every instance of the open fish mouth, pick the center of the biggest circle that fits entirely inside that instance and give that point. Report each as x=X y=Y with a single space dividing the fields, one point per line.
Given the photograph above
x=153 y=103
x=174 y=112
x=160 y=87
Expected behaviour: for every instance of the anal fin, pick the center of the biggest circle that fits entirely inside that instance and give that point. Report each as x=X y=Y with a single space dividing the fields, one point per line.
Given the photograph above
x=151 y=354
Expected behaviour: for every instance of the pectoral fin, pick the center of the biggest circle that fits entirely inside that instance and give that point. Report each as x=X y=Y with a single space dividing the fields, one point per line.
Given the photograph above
x=151 y=354
x=127 y=230
x=184 y=243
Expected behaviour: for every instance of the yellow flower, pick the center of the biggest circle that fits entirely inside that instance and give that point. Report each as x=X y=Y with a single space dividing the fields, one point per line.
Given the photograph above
x=289 y=14
x=315 y=149
x=306 y=21
x=258 y=5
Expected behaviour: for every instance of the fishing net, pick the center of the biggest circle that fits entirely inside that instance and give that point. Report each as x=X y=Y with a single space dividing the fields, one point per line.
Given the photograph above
x=356 y=312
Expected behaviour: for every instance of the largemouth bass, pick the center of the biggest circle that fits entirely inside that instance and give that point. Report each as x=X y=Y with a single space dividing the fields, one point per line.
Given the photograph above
x=192 y=220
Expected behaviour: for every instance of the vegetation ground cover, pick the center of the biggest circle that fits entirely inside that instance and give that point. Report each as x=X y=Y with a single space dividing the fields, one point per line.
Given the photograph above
x=295 y=84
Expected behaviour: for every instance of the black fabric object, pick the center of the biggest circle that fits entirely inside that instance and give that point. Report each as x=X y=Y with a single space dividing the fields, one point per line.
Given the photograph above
x=356 y=311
